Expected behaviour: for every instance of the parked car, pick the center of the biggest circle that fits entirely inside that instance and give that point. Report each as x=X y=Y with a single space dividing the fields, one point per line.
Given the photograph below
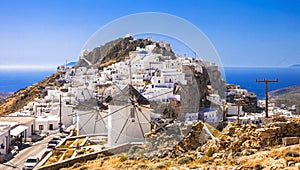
x=53 y=142
x=31 y=162
x=14 y=150
x=51 y=146
x=56 y=138
x=62 y=136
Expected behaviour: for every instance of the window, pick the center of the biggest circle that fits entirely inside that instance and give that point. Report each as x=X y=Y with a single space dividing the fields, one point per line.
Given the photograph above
x=32 y=130
x=158 y=81
x=41 y=127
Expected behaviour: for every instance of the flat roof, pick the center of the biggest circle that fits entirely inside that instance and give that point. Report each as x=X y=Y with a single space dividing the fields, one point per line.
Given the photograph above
x=19 y=119
x=17 y=130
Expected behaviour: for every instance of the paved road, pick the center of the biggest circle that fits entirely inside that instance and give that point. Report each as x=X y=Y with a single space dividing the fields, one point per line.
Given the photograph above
x=37 y=149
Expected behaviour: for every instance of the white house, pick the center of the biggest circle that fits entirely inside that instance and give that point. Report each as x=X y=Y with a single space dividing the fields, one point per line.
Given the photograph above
x=23 y=126
x=233 y=110
x=212 y=116
x=4 y=139
x=191 y=116
x=46 y=124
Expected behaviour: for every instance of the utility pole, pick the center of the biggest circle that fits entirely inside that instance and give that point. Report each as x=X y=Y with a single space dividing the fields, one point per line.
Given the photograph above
x=224 y=111
x=238 y=104
x=60 y=123
x=266 y=81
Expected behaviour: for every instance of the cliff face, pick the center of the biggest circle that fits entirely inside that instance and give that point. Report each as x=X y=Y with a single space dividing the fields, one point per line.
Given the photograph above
x=22 y=97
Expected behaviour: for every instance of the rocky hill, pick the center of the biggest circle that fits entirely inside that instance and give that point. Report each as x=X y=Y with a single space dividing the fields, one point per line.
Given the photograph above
x=288 y=96
x=117 y=50
x=22 y=97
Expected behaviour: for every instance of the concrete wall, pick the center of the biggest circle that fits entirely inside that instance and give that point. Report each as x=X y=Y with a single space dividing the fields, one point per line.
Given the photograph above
x=31 y=128
x=91 y=156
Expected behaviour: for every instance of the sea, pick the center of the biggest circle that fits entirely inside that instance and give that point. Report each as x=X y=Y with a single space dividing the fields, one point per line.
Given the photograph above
x=13 y=80
x=246 y=78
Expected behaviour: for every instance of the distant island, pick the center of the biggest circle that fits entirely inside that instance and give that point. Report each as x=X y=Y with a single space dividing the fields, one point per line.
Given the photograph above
x=295 y=66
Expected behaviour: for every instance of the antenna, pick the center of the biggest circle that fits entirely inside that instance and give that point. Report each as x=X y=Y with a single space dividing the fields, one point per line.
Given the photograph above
x=266 y=81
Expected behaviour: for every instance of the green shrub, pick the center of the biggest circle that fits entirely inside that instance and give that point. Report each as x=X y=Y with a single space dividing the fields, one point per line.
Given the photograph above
x=185 y=160
x=210 y=152
x=292 y=154
x=123 y=158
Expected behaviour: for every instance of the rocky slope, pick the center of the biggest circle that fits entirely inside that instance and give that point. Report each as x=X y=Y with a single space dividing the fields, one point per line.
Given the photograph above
x=22 y=97
x=237 y=147
x=117 y=50
x=288 y=96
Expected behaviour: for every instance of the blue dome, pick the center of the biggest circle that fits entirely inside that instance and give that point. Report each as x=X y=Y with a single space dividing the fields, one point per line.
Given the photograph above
x=142 y=52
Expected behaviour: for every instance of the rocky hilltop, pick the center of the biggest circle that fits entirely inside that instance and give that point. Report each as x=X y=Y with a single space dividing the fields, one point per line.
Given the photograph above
x=117 y=50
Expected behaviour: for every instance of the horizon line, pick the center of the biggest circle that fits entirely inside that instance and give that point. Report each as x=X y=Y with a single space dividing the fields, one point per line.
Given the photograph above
x=28 y=67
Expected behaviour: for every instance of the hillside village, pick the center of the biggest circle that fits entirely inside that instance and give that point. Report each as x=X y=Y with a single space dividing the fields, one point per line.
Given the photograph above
x=152 y=102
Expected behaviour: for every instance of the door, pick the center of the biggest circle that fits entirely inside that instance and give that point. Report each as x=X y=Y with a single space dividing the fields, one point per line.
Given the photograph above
x=50 y=126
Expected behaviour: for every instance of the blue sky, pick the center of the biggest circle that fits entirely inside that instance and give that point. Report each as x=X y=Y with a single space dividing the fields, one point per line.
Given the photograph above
x=262 y=33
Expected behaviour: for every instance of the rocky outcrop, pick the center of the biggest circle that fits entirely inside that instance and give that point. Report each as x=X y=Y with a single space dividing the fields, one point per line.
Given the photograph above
x=174 y=140
x=118 y=50
x=248 y=139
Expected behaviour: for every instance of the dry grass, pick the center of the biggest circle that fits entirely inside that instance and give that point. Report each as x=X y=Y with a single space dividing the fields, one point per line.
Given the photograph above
x=54 y=158
x=267 y=158
x=80 y=140
x=68 y=154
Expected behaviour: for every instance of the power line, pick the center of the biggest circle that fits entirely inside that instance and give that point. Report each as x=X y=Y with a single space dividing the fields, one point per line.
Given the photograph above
x=266 y=81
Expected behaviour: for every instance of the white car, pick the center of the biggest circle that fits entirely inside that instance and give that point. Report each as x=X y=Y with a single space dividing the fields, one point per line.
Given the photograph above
x=31 y=162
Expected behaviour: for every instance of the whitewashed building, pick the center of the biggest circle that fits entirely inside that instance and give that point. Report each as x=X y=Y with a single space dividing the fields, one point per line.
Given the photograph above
x=4 y=139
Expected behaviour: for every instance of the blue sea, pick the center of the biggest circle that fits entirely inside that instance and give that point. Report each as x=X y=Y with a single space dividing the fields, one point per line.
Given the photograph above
x=245 y=77
x=13 y=80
